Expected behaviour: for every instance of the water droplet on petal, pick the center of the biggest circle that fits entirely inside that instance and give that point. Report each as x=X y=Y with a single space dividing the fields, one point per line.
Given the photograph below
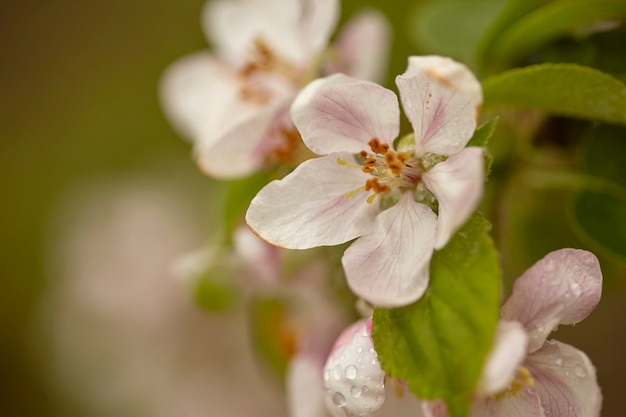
x=580 y=372
x=359 y=350
x=559 y=361
x=373 y=361
x=351 y=372
x=356 y=391
x=337 y=372
x=575 y=288
x=379 y=399
x=339 y=400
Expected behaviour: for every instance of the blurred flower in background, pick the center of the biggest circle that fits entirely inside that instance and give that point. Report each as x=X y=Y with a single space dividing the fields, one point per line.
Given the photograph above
x=125 y=338
x=94 y=322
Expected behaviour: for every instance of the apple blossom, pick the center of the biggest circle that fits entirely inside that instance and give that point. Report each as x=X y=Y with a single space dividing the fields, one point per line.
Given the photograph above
x=402 y=203
x=233 y=103
x=350 y=383
x=527 y=375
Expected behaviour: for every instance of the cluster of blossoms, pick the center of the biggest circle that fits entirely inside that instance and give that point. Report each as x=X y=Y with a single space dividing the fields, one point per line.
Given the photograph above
x=257 y=101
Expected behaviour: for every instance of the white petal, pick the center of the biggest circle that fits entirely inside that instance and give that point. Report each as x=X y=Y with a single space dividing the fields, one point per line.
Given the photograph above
x=318 y=19
x=507 y=354
x=458 y=184
x=260 y=256
x=442 y=100
x=285 y=26
x=565 y=380
x=245 y=147
x=400 y=403
x=389 y=266
x=305 y=389
x=363 y=45
x=342 y=114
x=562 y=288
x=309 y=207
x=352 y=375
x=199 y=94
x=527 y=404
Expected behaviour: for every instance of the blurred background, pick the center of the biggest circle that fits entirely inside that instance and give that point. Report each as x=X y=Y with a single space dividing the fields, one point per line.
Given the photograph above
x=101 y=196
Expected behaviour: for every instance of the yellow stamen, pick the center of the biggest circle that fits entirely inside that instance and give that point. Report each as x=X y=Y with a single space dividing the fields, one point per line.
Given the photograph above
x=522 y=379
x=350 y=164
x=353 y=192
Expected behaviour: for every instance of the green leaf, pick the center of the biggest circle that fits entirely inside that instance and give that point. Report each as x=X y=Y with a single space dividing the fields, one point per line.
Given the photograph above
x=562 y=89
x=598 y=210
x=451 y=27
x=512 y=11
x=239 y=193
x=550 y=22
x=215 y=296
x=600 y=217
x=604 y=149
x=438 y=345
x=271 y=338
x=483 y=133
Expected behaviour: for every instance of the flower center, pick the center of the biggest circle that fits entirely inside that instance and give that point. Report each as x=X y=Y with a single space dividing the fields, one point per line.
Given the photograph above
x=522 y=379
x=263 y=61
x=389 y=170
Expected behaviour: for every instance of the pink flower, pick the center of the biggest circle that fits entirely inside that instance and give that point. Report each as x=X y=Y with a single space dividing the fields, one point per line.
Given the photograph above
x=233 y=103
x=527 y=375
x=351 y=382
x=401 y=203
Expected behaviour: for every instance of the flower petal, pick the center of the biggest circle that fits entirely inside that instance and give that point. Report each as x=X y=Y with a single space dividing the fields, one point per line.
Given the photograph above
x=507 y=354
x=458 y=185
x=293 y=30
x=245 y=148
x=363 y=46
x=265 y=259
x=352 y=374
x=200 y=96
x=565 y=380
x=317 y=21
x=562 y=288
x=389 y=267
x=442 y=100
x=342 y=114
x=304 y=385
x=527 y=404
x=310 y=208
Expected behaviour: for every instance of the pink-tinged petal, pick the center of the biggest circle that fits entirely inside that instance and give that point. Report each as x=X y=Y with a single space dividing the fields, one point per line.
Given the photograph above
x=389 y=267
x=311 y=206
x=399 y=402
x=318 y=19
x=262 y=257
x=507 y=354
x=562 y=288
x=565 y=380
x=245 y=148
x=458 y=184
x=442 y=99
x=363 y=45
x=527 y=404
x=304 y=386
x=284 y=26
x=342 y=114
x=200 y=96
x=352 y=375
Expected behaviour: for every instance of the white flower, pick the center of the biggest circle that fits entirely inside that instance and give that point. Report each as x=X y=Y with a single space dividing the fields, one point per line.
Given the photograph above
x=527 y=375
x=233 y=103
x=401 y=203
